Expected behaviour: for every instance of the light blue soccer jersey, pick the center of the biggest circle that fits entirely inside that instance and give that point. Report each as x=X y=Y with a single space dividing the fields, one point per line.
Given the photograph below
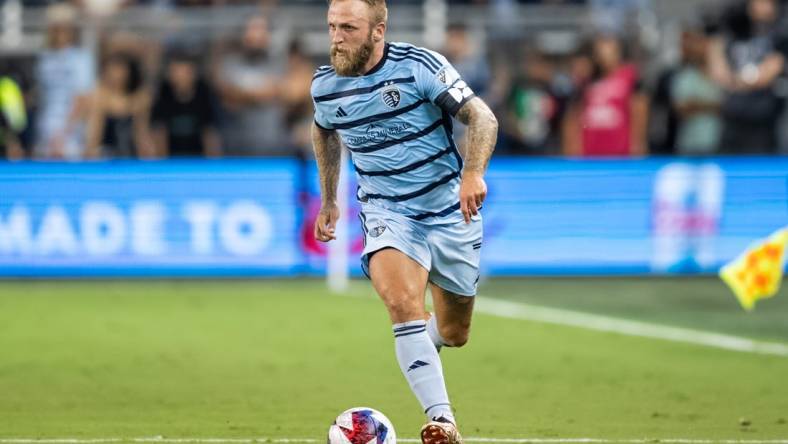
x=396 y=122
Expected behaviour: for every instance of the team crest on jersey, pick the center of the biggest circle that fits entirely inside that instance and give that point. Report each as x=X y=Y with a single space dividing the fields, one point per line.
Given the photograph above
x=391 y=96
x=377 y=231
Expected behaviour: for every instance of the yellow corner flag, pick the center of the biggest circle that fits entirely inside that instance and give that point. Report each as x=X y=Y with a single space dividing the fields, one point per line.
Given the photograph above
x=757 y=273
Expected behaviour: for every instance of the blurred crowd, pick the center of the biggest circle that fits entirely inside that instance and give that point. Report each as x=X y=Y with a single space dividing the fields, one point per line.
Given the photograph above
x=725 y=94
x=146 y=100
x=131 y=97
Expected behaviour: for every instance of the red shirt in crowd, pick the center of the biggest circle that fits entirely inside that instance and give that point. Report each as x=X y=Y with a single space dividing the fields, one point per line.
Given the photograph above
x=606 y=115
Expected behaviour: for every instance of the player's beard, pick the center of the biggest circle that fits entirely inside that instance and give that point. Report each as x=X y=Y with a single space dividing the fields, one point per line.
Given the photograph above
x=351 y=62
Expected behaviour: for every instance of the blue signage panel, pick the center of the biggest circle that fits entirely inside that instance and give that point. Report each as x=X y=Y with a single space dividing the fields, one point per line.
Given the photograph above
x=185 y=218
x=255 y=217
x=629 y=216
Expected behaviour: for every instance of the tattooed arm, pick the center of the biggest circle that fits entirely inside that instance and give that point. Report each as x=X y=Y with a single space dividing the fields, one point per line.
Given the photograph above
x=328 y=152
x=482 y=134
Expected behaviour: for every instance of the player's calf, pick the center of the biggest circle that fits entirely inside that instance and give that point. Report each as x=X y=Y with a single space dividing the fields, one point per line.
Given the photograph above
x=451 y=323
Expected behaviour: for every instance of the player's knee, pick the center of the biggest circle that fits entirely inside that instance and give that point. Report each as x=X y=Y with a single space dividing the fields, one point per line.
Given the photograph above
x=455 y=335
x=397 y=293
x=402 y=301
x=458 y=340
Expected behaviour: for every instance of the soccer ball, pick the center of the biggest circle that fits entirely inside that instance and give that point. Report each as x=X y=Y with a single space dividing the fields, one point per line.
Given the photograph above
x=361 y=425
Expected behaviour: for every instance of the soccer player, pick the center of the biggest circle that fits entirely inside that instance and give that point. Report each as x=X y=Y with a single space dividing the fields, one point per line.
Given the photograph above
x=390 y=104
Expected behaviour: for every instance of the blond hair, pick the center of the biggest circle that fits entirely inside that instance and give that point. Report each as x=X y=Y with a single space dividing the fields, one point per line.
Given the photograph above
x=379 y=10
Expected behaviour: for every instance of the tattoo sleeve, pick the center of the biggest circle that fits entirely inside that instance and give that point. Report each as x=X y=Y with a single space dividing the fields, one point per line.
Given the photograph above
x=482 y=134
x=328 y=153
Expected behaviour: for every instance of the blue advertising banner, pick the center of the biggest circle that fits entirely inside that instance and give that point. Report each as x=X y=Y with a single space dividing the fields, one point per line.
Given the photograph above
x=185 y=218
x=254 y=217
x=639 y=216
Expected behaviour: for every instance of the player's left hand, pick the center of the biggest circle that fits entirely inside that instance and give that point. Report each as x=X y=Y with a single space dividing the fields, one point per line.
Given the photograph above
x=473 y=191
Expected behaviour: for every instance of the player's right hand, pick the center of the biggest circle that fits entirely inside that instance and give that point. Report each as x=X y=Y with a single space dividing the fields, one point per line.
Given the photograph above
x=473 y=191
x=326 y=223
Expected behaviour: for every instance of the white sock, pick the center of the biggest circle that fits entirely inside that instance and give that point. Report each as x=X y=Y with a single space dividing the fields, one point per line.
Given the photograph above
x=421 y=365
x=432 y=330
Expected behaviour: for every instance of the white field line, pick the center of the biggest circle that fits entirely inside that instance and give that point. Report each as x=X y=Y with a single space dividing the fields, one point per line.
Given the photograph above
x=516 y=310
x=159 y=439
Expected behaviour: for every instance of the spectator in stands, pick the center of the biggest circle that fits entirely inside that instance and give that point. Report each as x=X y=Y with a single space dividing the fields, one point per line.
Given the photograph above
x=531 y=112
x=617 y=15
x=468 y=58
x=470 y=61
x=296 y=99
x=663 y=120
x=695 y=98
x=118 y=125
x=609 y=117
x=747 y=61
x=184 y=118
x=248 y=80
x=64 y=77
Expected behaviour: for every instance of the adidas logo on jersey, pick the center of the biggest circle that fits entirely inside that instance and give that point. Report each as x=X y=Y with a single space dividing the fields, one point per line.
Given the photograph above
x=341 y=112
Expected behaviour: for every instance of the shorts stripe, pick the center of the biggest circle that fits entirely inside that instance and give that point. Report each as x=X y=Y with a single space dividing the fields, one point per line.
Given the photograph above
x=363 y=227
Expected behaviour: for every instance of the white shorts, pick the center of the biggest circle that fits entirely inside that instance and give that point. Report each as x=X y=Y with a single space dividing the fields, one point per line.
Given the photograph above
x=450 y=251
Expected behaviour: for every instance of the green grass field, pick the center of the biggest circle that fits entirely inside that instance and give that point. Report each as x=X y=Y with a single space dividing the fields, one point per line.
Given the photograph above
x=279 y=359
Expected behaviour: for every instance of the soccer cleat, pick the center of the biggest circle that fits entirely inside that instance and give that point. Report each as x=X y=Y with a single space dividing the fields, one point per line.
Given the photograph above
x=440 y=431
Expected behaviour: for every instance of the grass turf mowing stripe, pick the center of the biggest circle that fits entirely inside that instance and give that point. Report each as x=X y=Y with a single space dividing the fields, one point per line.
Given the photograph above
x=516 y=310
x=239 y=360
